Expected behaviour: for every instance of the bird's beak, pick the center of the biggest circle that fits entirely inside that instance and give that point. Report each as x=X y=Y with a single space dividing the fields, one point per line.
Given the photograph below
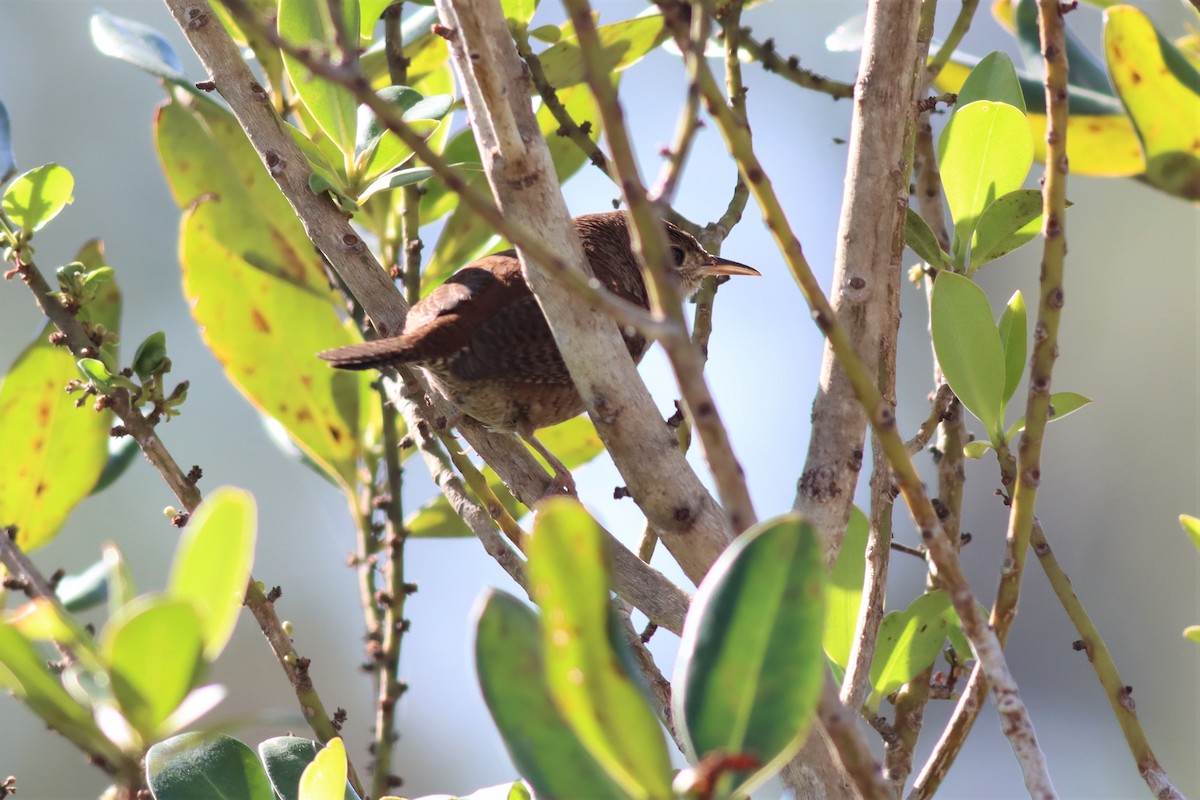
x=723 y=266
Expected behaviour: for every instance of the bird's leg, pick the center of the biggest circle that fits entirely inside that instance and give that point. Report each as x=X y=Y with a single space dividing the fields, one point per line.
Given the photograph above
x=563 y=481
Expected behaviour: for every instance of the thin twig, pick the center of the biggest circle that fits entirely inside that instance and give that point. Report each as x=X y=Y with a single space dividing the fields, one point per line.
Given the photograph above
x=962 y=23
x=789 y=68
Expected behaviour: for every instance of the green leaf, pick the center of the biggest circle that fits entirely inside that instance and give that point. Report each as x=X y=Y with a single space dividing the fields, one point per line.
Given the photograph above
x=1005 y=225
x=23 y=672
x=511 y=670
x=1101 y=139
x=212 y=169
x=1087 y=71
x=8 y=160
x=968 y=347
x=205 y=766
x=35 y=197
x=212 y=564
x=84 y=590
x=976 y=449
x=599 y=700
x=308 y=22
x=137 y=44
x=153 y=651
x=623 y=43
x=379 y=149
x=325 y=777
x=1013 y=340
x=369 y=12
x=985 y=152
x=921 y=239
x=151 y=355
x=993 y=78
x=264 y=331
x=93 y=370
x=1192 y=632
x=843 y=595
x=519 y=12
x=286 y=758
x=394 y=180
x=909 y=641
x=1161 y=91
x=102 y=299
x=62 y=448
x=1061 y=404
x=1191 y=526
x=750 y=663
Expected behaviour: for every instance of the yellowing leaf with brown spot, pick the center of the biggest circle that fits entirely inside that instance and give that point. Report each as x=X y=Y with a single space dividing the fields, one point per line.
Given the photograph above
x=266 y=332
x=53 y=451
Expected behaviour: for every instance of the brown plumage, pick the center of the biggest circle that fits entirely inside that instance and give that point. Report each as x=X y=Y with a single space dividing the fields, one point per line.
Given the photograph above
x=485 y=344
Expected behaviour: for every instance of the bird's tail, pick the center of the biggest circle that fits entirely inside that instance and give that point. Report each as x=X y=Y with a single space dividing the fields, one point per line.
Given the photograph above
x=368 y=355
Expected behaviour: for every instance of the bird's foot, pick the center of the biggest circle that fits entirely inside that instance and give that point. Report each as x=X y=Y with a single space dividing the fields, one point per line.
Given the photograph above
x=562 y=482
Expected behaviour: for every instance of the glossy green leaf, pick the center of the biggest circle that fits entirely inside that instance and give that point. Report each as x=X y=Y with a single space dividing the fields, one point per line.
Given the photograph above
x=205 y=766
x=286 y=758
x=599 y=700
x=750 y=665
x=308 y=22
x=623 y=43
x=37 y=196
x=84 y=590
x=1087 y=71
x=843 y=595
x=394 y=180
x=153 y=651
x=1101 y=139
x=325 y=777
x=369 y=13
x=1013 y=338
x=94 y=371
x=1061 y=404
x=909 y=641
x=1191 y=526
x=1006 y=224
x=62 y=448
x=23 y=672
x=151 y=355
x=264 y=331
x=921 y=239
x=121 y=453
x=8 y=159
x=968 y=347
x=1161 y=90
x=993 y=78
x=985 y=152
x=212 y=563
x=212 y=169
x=137 y=44
x=511 y=670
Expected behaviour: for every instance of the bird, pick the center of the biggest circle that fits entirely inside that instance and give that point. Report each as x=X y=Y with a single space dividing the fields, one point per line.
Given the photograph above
x=484 y=343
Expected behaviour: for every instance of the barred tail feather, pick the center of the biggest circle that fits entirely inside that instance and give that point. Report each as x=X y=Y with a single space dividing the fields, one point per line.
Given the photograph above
x=368 y=355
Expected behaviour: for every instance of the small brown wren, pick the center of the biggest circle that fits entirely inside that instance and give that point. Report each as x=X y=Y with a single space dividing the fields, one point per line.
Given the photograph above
x=485 y=344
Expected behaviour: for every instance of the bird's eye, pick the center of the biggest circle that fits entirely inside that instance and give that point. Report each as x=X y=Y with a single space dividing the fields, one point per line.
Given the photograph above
x=677 y=253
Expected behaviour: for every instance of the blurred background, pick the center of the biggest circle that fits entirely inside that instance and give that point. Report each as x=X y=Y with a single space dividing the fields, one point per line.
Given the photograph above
x=1115 y=478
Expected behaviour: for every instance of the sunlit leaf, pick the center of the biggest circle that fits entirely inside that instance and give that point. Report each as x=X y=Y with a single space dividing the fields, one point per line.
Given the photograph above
x=843 y=594
x=265 y=332
x=286 y=758
x=599 y=700
x=511 y=670
x=325 y=777
x=993 y=78
x=37 y=196
x=985 y=152
x=623 y=44
x=62 y=448
x=308 y=22
x=921 y=239
x=1161 y=90
x=1006 y=224
x=1013 y=338
x=212 y=563
x=1191 y=526
x=1061 y=404
x=152 y=648
x=909 y=642
x=968 y=347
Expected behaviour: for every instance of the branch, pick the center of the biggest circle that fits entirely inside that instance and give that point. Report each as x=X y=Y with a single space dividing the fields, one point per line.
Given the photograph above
x=649 y=243
x=789 y=68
